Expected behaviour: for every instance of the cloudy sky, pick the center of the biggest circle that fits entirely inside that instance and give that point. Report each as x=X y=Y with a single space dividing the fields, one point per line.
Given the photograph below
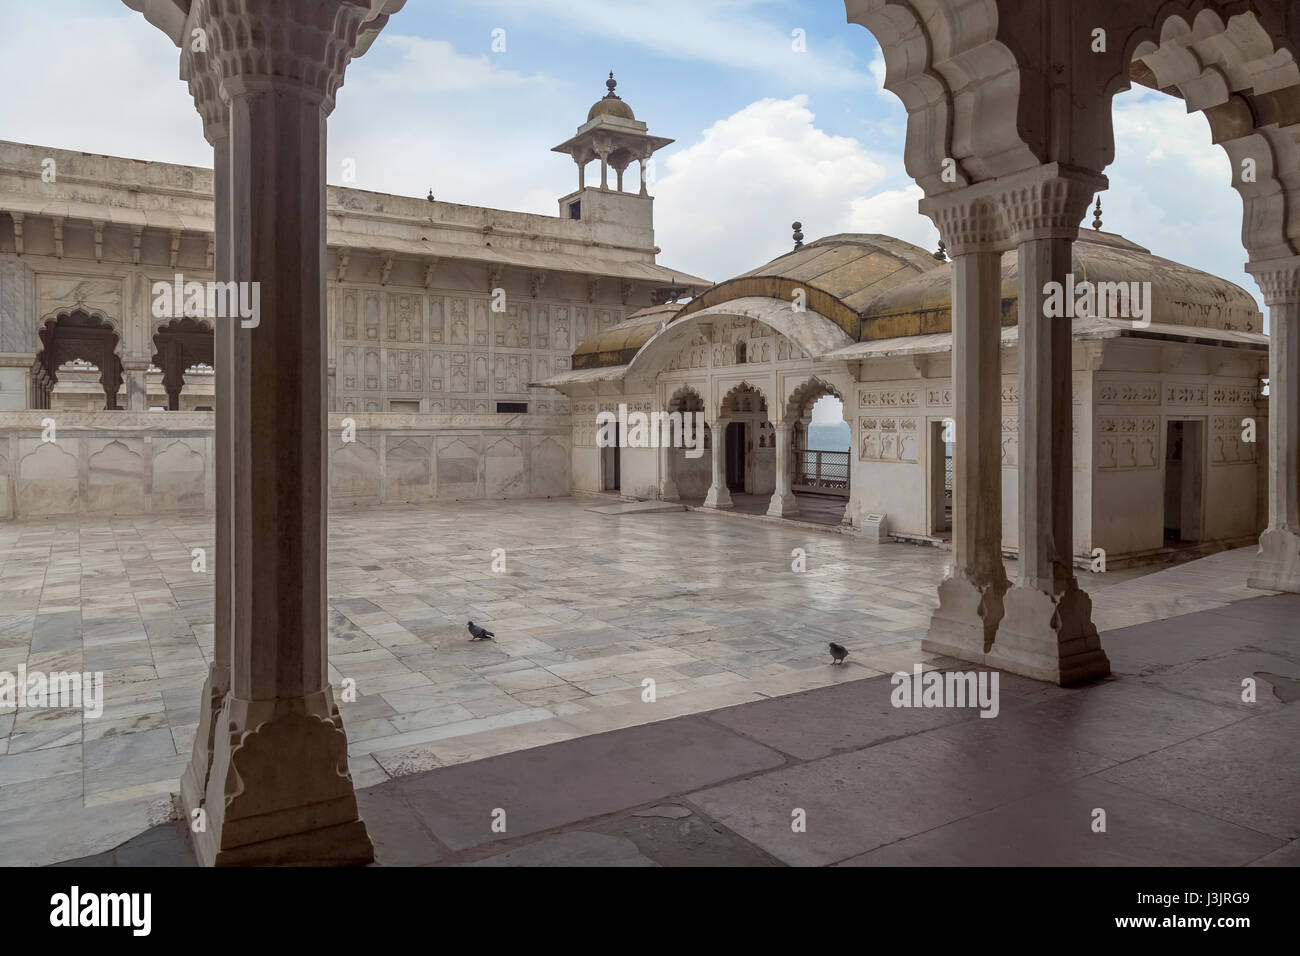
x=764 y=134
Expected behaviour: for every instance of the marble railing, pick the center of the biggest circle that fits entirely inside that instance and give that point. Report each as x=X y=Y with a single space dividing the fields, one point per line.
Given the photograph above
x=129 y=463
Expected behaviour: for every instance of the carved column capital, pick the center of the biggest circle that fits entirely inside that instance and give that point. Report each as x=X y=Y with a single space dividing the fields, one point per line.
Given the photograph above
x=968 y=220
x=1278 y=279
x=1046 y=202
x=290 y=44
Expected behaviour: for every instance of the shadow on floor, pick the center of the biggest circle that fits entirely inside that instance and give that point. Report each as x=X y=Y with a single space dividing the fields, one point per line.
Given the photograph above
x=1188 y=772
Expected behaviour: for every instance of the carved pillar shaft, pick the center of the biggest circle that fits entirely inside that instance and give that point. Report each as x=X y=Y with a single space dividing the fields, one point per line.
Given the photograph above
x=719 y=496
x=970 y=596
x=279 y=790
x=667 y=461
x=1277 y=566
x=1047 y=631
x=783 y=503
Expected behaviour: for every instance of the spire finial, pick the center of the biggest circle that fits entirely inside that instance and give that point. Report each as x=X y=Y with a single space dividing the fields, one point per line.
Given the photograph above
x=942 y=252
x=1096 y=214
x=609 y=85
x=798 y=234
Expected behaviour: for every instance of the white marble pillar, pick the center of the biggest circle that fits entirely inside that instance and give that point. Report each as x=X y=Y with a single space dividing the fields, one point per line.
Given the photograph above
x=137 y=384
x=279 y=790
x=783 y=503
x=667 y=460
x=970 y=596
x=1277 y=565
x=1047 y=631
x=719 y=497
x=194 y=783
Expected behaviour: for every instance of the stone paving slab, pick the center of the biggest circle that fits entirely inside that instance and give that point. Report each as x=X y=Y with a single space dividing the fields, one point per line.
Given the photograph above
x=1183 y=780
x=1055 y=828
x=588 y=609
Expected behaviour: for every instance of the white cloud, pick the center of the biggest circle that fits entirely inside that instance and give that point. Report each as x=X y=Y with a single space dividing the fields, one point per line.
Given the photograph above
x=1170 y=187
x=729 y=33
x=414 y=65
x=726 y=202
x=99 y=84
x=892 y=212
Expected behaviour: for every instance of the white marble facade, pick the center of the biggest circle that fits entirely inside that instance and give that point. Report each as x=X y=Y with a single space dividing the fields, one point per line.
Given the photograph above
x=1126 y=393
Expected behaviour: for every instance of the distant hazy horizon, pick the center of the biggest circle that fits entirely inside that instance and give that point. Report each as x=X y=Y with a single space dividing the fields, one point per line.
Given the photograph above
x=829 y=437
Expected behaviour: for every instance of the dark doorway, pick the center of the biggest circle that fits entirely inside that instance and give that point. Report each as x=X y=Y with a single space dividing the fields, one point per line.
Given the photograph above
x=736 y=456
x=1184 y=461
x=940 y=479
x=609 y=463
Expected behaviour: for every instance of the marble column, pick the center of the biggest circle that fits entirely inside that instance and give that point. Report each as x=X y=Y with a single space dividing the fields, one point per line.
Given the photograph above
x=783 y=503
x=137 y=384
x=1047 y=631
x=279 y=790
x=1277 y=565
x=719 y=497
x=194 y=783
x=970 y=596
x=667 y=460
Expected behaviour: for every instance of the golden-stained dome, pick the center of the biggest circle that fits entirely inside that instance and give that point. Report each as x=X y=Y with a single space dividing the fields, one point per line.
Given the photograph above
x=610 y=104
x=876 y=287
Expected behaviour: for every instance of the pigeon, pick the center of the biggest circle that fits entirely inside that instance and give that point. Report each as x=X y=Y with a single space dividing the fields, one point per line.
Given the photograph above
x=838 y=653
x=479 y=634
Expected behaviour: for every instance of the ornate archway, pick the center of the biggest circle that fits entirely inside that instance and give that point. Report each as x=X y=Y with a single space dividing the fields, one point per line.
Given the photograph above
x=180 y=344
x=77 y=335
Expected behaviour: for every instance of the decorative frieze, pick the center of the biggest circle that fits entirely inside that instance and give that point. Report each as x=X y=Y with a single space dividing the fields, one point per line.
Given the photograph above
x=1233 y=395
x=1128 y=393
x=1185 y=394
x=889 y=398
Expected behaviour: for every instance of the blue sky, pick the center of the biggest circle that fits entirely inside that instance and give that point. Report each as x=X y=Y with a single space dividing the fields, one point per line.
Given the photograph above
x=764 y=134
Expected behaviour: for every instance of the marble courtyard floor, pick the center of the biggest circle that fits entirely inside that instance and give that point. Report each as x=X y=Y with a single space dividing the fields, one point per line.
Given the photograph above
x=588 y=607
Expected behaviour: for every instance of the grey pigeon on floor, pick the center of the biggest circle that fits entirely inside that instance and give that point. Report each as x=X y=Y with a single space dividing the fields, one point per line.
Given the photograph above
x=838 y=653
x=479 y=634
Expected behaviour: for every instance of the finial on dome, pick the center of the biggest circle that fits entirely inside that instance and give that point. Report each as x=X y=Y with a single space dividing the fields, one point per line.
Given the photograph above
x=942 y=252
x=609 y=85
x=798 y=234
x=1096 y=214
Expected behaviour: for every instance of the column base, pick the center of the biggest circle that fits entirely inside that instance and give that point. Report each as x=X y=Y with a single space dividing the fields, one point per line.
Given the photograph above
x=1277 y=565
x=1049 y=637
x=668 y=490
x=279 y=792
x=194 y=782
x=718 y=497
x=783 y=506
x=967 y=617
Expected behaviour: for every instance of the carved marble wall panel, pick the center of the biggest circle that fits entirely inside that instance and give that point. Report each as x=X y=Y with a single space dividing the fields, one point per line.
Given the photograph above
x=115 y=478
x=1226 y=444
x=1128 y=442
x=888 y=438
x=178 y=476
x=408 y=469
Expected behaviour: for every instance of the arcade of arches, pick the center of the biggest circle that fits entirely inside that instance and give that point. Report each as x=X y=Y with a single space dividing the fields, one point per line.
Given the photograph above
x=1009 y=134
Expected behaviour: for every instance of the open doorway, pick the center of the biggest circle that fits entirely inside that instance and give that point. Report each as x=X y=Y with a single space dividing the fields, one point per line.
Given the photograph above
x=736 y=456
x=1184 y=481
x=610 y=480
x=940 y=459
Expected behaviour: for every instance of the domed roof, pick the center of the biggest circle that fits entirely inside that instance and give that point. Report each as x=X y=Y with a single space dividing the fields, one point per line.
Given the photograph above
x=1180 y=295
x=610 y=104
x=875 y=287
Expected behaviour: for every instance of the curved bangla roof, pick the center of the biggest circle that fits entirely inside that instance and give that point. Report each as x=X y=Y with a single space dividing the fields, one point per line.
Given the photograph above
x=877 y=290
